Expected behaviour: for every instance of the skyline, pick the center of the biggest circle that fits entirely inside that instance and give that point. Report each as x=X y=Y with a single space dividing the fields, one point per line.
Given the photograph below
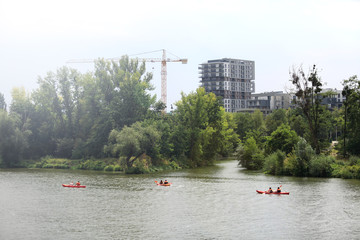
x=41 y=36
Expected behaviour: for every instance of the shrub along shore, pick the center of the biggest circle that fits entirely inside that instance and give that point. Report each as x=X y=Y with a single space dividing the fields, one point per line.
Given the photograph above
x=140 y=166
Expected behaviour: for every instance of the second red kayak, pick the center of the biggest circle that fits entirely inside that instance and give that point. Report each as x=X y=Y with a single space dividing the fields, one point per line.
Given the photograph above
x=163 y=184
x=74 y=186
x=266 y=192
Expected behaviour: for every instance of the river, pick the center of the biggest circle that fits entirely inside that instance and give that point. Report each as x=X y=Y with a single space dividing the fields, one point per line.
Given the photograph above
x=217 y=202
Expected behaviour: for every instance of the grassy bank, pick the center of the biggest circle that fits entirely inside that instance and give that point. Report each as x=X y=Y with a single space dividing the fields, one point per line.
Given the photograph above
x=106 y=164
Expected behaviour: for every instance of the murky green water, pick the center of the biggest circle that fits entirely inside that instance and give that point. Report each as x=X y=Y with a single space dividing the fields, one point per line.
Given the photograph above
x=217 y=202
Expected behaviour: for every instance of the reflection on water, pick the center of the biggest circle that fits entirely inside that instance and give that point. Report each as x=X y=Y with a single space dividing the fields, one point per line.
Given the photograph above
x=216 y=202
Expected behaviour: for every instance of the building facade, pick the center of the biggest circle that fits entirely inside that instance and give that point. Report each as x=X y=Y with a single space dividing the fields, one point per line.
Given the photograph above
x=333 y=99
x=231 y=79
x=269 y=101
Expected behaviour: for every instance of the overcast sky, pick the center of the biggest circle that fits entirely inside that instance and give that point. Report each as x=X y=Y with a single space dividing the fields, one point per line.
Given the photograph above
x=39 y=36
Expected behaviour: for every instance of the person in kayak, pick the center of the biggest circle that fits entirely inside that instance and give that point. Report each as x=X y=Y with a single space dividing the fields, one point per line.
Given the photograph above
x=270 y=190
x=166 y=182
x=278 y=190
x=78 y=183
x=72 y=183
x=161 y=181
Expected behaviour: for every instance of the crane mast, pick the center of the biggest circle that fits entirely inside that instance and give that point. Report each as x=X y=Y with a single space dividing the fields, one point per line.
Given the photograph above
x=163 y=61
x=164 y=79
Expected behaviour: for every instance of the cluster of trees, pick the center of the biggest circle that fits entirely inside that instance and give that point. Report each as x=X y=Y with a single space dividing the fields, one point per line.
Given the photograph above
x=297 y=141
x=111 y=113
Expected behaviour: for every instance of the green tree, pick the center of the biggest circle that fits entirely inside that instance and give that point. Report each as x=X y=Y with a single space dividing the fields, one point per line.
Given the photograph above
x=308 y=98
x=303 y=153
x=229 y=135
x=2 y=102
x=13 y=141
x=117 y=95
x=134 y=141
x=243 y=123
x=199 y=119
x=283 y=139
x=56 y=118
x=351 y=91
x=274 y=163
x=320 y=166
x=258 y=119
x=297 y=122
x=250 y=155
x=258 y=130
x=275 y=120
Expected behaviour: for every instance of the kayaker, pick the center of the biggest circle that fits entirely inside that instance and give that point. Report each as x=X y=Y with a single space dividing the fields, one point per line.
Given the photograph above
x=278 y=190
x=161 y=181
x=72 y=183
x=166 y=182
x=270 y=190
x=78 y=183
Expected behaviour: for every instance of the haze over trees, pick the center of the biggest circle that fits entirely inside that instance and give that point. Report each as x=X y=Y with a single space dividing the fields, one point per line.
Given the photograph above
x=110 y=113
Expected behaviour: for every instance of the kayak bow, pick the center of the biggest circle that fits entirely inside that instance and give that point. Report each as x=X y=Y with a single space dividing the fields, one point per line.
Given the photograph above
x=266 y=192
x=73 y=186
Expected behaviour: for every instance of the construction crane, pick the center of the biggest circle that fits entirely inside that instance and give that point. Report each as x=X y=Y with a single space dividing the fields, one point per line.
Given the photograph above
x=163 y=61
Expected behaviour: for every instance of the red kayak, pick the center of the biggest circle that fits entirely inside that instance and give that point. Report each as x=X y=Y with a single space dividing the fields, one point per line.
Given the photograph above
x=74 y=186
x=266 y=192
x=163 y=184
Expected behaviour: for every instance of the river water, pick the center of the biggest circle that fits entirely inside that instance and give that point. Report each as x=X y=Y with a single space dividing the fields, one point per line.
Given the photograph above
x=217 y=202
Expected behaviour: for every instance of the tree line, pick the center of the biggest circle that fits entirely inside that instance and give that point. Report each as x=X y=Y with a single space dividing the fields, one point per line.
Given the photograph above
x=110 y=113
x=298 y=141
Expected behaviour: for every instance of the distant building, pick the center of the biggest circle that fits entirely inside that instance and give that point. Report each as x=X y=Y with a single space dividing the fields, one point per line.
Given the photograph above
x=231 y=79
x=335 y=98
x=332 y=99
x=269 y=101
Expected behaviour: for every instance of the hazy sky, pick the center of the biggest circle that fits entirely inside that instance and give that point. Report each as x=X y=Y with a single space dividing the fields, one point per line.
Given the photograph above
x=39 y=36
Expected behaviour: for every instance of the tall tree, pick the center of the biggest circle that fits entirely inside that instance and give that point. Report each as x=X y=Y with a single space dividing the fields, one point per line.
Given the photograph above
x=243 y=123
x=308 y=98
x=13 y=141
x=2 y=102
x=199 y=119
x=351 y=91
x=275 y=120
x=283 y=138
x=134 y=141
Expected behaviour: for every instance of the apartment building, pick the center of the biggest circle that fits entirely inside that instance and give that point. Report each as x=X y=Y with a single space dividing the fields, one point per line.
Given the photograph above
x=269 y=101
x=231 y=79
x=334 y=98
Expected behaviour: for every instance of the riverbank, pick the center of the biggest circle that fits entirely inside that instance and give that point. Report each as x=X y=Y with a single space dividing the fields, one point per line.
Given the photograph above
x=104 y=164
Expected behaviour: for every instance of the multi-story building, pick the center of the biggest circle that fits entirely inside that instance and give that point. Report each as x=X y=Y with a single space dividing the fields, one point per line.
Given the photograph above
x=269 y=101
x=231 y=79
x=333 y=99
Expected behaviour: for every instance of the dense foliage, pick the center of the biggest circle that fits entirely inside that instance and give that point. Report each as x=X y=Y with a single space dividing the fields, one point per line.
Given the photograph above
x=110 y=113
x=108 y=120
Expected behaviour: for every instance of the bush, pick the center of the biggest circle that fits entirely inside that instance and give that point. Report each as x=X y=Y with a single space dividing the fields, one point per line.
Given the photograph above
x=290 y=164
x=274 y=163
x=140 y=166
x=92 y=165
x=117 y=168
x=320 y=166
x=354 y=160
x=250 y=155
x=174 y=165
x=109 y=168
x=48 y=162
x=344 y=171
x=304 y=153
